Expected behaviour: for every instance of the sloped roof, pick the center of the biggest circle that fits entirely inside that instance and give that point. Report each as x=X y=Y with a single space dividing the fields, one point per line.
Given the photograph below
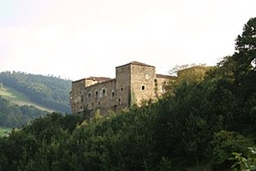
x=136 y=63
x=99 y=78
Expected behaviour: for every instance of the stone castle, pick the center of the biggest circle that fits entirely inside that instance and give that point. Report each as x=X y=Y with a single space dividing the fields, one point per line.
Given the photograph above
x=134 y=83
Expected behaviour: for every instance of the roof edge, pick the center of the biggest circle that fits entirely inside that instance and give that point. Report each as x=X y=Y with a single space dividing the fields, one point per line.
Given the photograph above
x=136 y=63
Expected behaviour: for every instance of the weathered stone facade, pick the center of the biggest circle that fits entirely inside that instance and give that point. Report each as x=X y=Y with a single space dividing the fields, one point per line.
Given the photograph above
x=134 y=83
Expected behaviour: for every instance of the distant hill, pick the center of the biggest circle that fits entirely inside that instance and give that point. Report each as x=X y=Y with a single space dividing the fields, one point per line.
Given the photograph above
x=13 y=115
x=18 y=98
x=43 y=92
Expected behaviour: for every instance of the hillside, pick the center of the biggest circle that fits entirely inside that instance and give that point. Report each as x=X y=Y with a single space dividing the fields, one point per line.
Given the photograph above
x=19 y=98
x=206 y=124
x=15 y=116
x=43 y=92
x=4 y=131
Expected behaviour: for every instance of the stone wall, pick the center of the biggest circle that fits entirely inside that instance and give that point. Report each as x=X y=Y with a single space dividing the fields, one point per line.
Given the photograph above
x=101 y=95
x=142 y=83
x=123 y=79
x=161 y=82
x=76 y=94
x=134 y=83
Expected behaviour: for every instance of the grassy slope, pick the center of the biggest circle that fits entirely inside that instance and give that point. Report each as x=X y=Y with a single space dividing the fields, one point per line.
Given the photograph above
x=19 y=98
x=4 y=131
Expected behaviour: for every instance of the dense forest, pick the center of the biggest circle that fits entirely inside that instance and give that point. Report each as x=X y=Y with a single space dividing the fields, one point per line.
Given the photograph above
x=12 y=115
x=203 y=124
x=48 y=91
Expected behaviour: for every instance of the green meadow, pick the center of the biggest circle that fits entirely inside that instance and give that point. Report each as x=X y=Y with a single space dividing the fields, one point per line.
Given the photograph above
x=4 y=131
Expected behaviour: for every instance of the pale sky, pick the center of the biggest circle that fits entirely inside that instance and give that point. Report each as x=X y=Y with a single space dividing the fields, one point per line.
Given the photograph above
x=80 y=38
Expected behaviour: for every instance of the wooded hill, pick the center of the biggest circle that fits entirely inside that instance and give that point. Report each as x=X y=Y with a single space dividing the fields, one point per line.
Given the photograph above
x=48 y=92
x=15 y=116
x=204 y=124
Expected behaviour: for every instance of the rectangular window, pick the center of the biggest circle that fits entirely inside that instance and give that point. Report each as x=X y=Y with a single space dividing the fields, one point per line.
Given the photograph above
x=112 y=95
x=143 y=87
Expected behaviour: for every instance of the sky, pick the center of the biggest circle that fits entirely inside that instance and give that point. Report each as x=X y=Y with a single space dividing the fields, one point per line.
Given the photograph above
x=74 y=39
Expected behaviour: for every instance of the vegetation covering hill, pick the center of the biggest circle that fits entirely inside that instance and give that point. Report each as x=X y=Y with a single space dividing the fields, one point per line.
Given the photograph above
x=4 y=131
x=19 y=98
x=47 y=92
x=197 y=125
x=13 y=115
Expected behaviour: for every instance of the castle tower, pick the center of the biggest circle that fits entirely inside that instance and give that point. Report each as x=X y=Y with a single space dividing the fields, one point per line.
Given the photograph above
x=76 y=95
x=123 y=86
x=142 y=82
x=134 y=83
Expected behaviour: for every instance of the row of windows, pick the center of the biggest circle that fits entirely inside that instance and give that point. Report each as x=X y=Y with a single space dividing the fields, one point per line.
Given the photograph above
x=99 y=103
x=119 y=101
x=104 y=93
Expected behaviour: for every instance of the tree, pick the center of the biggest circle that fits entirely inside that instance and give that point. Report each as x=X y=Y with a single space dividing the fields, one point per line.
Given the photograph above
x=247 y=163
x=224 y=143
x=246 y=53
x=245 y=74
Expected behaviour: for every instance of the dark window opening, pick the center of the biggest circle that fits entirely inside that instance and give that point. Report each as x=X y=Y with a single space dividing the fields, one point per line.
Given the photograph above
x=103 y=91
x=119 y=100
x=82 y=98
x=113 y=94
x=96 y=93
x=89 y=95
x=122 y=89
x=92 y=104
x=99 y=103
x=81 y=107
x=143 y=87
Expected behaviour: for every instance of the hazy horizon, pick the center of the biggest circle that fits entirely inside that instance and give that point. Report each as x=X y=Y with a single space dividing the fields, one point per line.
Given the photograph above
x=81 y=38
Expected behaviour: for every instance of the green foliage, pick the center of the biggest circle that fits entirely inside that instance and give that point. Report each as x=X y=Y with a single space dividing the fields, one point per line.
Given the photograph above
x=195 y=127
x=223 y=144
x=4 y=131
x=12 y=115
x=48 y=91
x=165 y=165
x=247 y=163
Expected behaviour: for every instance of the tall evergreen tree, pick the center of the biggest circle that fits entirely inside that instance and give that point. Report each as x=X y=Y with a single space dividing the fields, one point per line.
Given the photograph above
x=246 y=55
x=245 y=74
